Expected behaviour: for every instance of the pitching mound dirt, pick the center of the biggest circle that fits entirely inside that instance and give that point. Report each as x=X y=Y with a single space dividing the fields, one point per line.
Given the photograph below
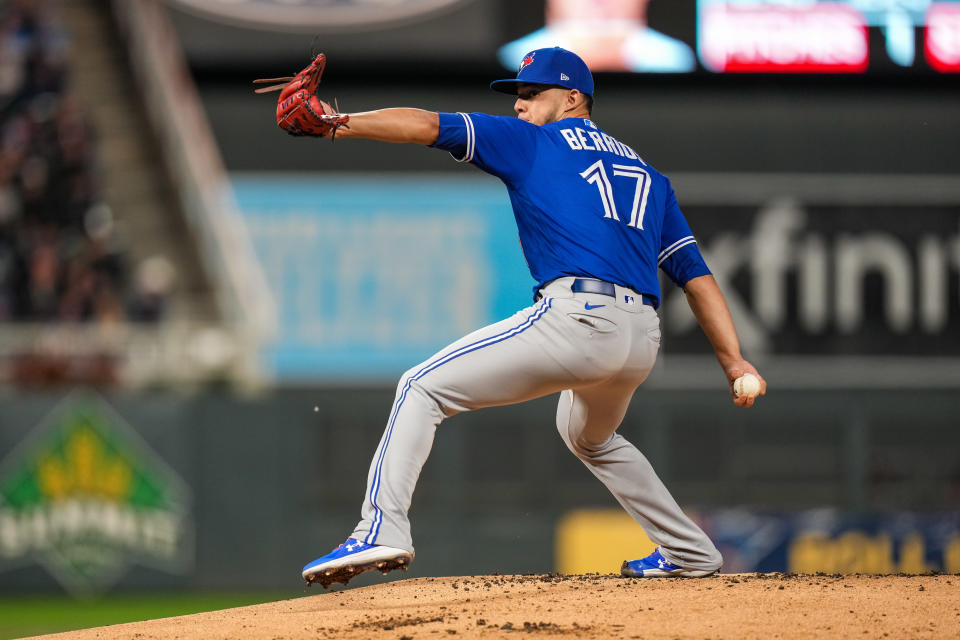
x=592 y=606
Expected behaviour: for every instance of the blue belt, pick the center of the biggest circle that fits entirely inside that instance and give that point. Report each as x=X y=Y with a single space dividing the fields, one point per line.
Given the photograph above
x=584 y=285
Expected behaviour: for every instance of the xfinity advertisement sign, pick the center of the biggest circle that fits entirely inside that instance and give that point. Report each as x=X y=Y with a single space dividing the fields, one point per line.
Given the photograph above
x=836 y=280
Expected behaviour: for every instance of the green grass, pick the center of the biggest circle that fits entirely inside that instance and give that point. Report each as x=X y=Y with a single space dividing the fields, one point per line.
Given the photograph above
x=34 y=615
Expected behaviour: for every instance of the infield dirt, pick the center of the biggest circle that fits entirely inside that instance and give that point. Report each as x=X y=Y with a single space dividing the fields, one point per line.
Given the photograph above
x=588 y=606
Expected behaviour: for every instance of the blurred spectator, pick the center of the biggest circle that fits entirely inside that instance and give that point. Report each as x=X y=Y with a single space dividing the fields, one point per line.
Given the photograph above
x=154 y=282
x=59 y=257
x=33 y=47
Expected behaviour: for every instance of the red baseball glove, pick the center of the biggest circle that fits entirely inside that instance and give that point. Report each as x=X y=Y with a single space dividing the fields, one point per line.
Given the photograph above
x=299 y=111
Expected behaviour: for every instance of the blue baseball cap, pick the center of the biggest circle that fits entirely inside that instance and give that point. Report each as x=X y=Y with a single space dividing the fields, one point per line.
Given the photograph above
x=555 y=66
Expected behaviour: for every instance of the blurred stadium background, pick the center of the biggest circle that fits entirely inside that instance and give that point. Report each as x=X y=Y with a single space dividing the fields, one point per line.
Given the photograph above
x=202 y=320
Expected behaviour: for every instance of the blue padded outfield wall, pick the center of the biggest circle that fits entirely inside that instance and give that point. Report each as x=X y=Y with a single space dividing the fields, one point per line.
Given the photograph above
x=374 y=274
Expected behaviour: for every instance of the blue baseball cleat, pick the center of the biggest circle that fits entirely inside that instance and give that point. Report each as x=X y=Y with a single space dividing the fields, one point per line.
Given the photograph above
x=351 y=559
x=656 y=566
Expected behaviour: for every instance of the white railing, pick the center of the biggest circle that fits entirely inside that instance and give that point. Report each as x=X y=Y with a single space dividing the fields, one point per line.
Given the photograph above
x=173 y=354
x=193 y=160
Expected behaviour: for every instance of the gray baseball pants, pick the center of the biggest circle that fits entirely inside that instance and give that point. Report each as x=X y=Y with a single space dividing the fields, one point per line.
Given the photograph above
x=595 y=350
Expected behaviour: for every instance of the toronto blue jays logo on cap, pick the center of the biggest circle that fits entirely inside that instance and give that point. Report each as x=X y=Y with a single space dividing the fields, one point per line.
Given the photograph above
x=555 y=66
x=527 y=59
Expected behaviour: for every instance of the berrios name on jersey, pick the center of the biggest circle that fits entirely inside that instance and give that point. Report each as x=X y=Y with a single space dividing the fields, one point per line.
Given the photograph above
x=593 y=140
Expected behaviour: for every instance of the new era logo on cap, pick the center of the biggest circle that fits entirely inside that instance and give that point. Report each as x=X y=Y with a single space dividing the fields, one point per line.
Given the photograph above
x=564 y=76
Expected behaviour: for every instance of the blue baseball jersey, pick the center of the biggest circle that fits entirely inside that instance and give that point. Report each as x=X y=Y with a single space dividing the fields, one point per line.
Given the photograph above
x=585 y=203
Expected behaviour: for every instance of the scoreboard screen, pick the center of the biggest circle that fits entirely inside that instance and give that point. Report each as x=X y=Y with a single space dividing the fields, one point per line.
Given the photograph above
x=808 y=36
x=751 y=36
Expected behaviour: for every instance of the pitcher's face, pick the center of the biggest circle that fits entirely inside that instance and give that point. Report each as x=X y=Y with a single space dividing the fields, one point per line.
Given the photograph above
x=540 y=104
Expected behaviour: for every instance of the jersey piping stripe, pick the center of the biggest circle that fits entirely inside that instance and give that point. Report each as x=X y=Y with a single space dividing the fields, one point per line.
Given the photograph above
x=673 y=247
x=674 y=250
x=471 y=138
x=485 y=342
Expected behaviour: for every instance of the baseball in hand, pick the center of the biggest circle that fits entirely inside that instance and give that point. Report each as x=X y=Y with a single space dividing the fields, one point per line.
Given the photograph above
x=746 y=385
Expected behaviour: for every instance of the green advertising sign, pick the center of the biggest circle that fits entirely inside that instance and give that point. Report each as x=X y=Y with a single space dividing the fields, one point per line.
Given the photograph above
x=87 y=498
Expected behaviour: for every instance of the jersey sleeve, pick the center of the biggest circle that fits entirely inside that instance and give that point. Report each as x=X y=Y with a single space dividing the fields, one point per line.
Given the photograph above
x=679 y=256
x=501 y=146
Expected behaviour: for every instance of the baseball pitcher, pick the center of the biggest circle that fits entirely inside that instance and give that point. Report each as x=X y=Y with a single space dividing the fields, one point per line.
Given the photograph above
x=596 y=222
